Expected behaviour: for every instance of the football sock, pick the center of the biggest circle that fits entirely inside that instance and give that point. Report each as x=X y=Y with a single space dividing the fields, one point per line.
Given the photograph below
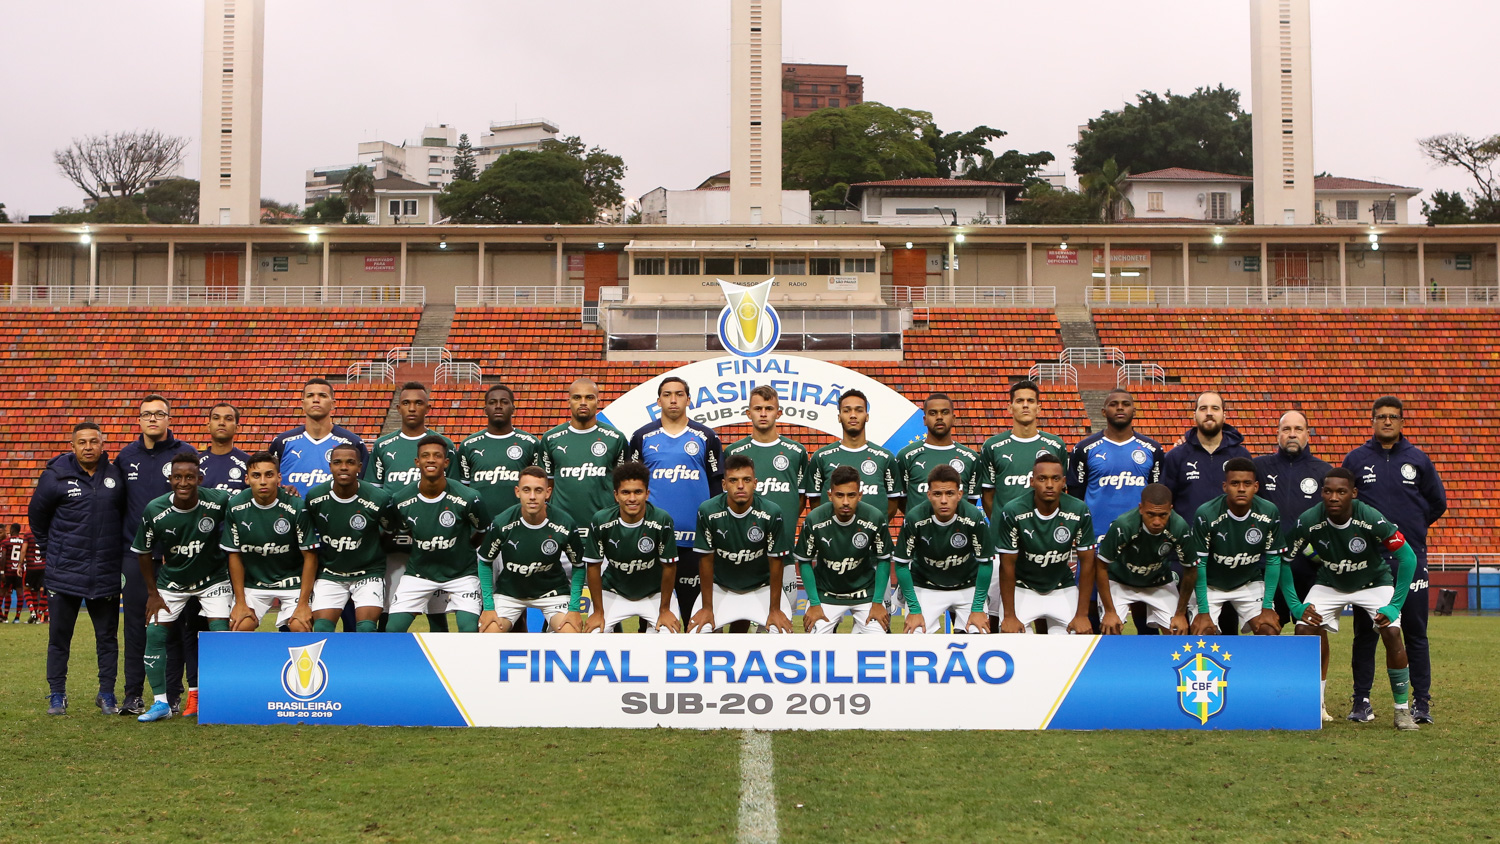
x=399 y=622
x=156 y=659
x=438 y=622
x=1400 y=685
x=324 y=625
x=1323 y=692
x=366 y=626
x=467 y=622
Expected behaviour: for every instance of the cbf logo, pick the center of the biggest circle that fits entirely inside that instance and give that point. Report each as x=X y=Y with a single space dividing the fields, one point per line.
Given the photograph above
x=304 y=676
x=1201 y=683
x=748 y=326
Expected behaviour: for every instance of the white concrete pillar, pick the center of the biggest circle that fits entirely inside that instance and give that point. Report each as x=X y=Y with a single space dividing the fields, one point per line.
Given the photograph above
x=1265 y=274
x=15 y=270
x=403 y=269
x=249 y=264
x=1422 y=270
x=1185 y=258
x=1029 y=281
x=1108 y=279
x=558 y=265
x=325 y=270
x=171 y=267
x=93 y=268
x=481 y=264
x=1343 y=273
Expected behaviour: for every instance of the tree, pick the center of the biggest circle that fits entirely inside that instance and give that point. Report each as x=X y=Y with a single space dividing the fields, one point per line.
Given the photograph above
x=1447 y=208
x=1107 y=190
x=328 y=210
x=359 y=188
x=1043 y=204
x=602 y=172
x=4 y=218
x=954 y=151
x=279 y=213
x=1205 y=130
x=1010 y=166
x=1475 y=155
x=172 y=201
x=119 y=164
x=464 y=167
x=832 y=148
x=541 y=187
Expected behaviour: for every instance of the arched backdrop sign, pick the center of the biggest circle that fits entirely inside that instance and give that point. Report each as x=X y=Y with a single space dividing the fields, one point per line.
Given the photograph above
x=809 y=389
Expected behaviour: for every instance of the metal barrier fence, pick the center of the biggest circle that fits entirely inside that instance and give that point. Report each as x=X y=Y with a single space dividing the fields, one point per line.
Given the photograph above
x=458 y=372
x=372 y=371
x=357 y=296
x=1091 y=356
x=1292 y=297
x=517 y=297
x=975 y=297
x=1053 y=373
x=418 y=355
x=1140 y=373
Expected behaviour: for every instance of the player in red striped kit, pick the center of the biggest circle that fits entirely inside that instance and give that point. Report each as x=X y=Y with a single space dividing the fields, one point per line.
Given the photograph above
x=13 y=579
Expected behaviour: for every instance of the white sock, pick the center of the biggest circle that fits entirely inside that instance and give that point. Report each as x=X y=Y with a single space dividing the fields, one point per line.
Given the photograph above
x=161 y=698
x=192 y=688
x=1323 y=692
x=1401 y=706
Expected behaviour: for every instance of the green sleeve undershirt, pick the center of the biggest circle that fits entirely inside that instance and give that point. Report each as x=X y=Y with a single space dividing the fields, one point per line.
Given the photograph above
x=1273 y=577
x=575 y=596
x=982 y=583
x=1289 y=592
x=486 y=585
x=1201 y=587
x=908 y=591
x=882 y=581
x=1406 y=568
x=813 y=598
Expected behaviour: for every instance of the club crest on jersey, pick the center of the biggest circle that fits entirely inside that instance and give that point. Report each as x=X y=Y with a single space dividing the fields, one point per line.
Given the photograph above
x=959 y=540
x=1408 y=471
x=1253 y=536
x=549 y=546
x=867 y=467
x=109 y=483
x=646 y=545
x=235 y=473
x=447 y=519
x=1060 y=535
x=1164 y=549
x=598 y=448
x=958 y=465
x=755 y=534
x=748 y=325
x=205 y=524
x=1201 y=685
x=691 y=447
x=861 y=541
x=305 y=676
x=780 y=462
x=1309 y=486
x=282 y=526
x=357 y=521
x=1139 y=457
x=166 y=471
x=514 y=452
x=1357 y=544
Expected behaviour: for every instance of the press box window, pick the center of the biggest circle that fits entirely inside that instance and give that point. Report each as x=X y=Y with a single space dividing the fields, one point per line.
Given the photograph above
x=650 y=266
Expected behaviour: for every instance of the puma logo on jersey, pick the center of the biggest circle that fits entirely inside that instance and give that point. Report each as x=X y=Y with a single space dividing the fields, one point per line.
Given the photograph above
x=654 y=447
x=294 y=453
x=478 y=452
x=391 y=454
x=562 y=449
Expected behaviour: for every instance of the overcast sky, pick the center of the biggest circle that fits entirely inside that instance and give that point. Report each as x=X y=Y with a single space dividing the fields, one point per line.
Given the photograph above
x=648 y=79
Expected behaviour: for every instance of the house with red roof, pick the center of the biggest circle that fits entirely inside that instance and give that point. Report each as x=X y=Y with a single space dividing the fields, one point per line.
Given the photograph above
x=1340 y=200
x=1179 y=194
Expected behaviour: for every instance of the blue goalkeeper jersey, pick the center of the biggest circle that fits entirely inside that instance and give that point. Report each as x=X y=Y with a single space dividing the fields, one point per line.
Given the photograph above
x=686 y=470
x=1109 y=476
x=304 y=461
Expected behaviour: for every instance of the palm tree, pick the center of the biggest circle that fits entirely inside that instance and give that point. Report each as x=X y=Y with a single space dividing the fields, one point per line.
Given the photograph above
x=359 y=187
x=1107 y=189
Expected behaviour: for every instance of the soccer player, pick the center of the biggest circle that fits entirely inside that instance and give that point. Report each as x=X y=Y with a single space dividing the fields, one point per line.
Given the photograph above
x=915 y=460
x=943 y=556
x=223 y=464
x=686 y=460
x=1397 y=478
x=1108 y=470
x=737 y=537
x=781 y=468
x=531 y=558
x=14 y=580
x=349 y=515
x=303 y=450
x=579 y=455
x=273 y=553
x=1237 y=542
x=442 y=518
x=845 y=556
x=1005 y=460
x=876 y=466
x=1137 y=551
x=631 y=553
x=146 y=466
x=35 y=583
x=1292 y=478
x=490 y=462
x=183 y=527
x=1346 y=537
x=393 y=465
x=1035 y=540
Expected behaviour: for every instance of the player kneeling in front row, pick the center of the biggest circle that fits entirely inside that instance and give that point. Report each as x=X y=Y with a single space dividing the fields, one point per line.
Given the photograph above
x=1345 y=538
x=943 y=558
x=272 y=551
x=526 y=562
x=182 y=526
x=845 y=556
x=349 y=515
x=1035 y=538
x=738 y=536
x=1137 y=551
x=1235 y=537
x=631 y=553
x=443 y=518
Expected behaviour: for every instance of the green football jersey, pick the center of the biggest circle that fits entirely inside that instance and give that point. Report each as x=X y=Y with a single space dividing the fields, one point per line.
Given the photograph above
x=943 y=556
x=781 y=473
x=1140 y=559
x=349 y=531
x=579 y=464
x=633 y=554
x=187 y=540
x=876 y=467
x=491 y=465
x=270 y=540
x=393 y=459
x=440 y=530
x=1044 y=545
x=916 y=459
x=742 y=543
x=1351 y=556
x=844 y=556
x=1006 y=460
x=531 y=561
x=1231 y=552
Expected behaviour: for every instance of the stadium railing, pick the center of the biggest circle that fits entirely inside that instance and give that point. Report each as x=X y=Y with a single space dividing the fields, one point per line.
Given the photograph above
x=978 y=297
x=371 y=371
x=516 y=297
x=358 y=296
x=1140 y=373
x=1092 y=356
x=1292 y=297
x=690 y=329
x=418 y=356
x=457 y=372
x=1053 y=373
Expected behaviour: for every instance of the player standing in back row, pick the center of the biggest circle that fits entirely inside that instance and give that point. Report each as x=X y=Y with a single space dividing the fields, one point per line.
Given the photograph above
x=303 y=452
x=685 y=460
x=579 y=455
x=876 y=466
x=1005 y=460
x=490 y=462
x=782 y=467
x=915 y=460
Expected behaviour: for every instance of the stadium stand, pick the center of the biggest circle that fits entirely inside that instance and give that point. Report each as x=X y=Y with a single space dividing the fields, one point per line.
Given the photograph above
x=1332 y=366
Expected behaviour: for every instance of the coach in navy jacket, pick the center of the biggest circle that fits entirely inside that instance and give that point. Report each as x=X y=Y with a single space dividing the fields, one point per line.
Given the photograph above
x=1193 y=472
x=1398 y=479
x=1292 y=478
x=146 y=463
x=76 y=514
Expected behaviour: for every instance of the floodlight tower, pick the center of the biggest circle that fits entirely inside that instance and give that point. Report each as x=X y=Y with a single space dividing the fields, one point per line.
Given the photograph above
x=233 y=66
x=755 y=111
x=1281 y=103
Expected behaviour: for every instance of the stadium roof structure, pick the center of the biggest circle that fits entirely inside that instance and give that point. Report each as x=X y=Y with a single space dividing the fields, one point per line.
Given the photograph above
x=1184 y=174
x=1338 y=184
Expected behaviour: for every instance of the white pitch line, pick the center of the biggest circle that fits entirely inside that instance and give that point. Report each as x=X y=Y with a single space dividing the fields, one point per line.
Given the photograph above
x=757 y=790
